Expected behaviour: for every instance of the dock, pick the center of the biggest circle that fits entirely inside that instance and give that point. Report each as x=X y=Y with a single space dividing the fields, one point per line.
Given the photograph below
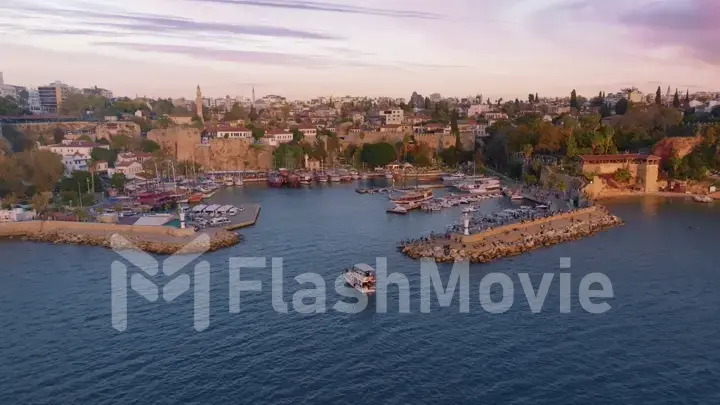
x=247 y=217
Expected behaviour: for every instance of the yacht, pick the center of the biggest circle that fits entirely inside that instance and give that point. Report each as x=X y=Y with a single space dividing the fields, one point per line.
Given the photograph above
x=321 y=177
x=469 y=210
x=361 y=278
x=354 y=174
x=334 y=177
x=305 y=179
x=364 y=176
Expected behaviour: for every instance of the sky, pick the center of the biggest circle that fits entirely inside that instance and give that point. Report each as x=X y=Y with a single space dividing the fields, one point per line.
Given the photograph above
x=302 y=49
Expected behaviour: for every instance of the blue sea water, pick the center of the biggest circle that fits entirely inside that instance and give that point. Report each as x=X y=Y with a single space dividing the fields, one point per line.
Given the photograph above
x=656 y=345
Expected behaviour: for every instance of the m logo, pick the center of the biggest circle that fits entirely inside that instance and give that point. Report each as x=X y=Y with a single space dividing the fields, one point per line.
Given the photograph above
x=173 y=289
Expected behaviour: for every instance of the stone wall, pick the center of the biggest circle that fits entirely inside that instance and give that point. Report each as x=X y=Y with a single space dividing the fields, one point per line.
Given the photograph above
x=35 y=130
x=682 y=145
x=466 y=138
x=177 y=141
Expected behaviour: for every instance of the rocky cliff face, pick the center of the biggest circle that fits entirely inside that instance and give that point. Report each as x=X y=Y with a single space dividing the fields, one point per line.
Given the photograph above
x=218 y=154
x=682 y=145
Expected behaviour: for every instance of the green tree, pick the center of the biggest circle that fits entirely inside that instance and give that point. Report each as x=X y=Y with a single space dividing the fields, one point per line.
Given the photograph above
x=427 y=105
x=236 y=113
x=537 y=99
x=117 y=181
x=622 y=175
x=40 y=202
x=377 y=154
x=106 y=155
x=121 y=142
x=574 y=100
x=676 y=100
x=658 y=96
x=258 y=133
x=297 y=135
x=58 y=135
x=9 y=107
x=531 y=98
x=253 y=114
x=621 y=107
x=571 y=146
x=150 y=146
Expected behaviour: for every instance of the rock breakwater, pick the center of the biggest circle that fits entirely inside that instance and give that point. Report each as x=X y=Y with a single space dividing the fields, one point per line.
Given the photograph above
x=513 y=239
x=147 y=239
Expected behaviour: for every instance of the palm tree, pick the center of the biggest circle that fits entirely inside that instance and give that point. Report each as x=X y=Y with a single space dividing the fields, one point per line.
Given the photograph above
x=80 y=213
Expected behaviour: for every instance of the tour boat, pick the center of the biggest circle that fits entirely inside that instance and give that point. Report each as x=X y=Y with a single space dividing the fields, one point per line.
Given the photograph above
x=413 y=198
x=238 y=181
x=389 y=175
x=360 y=279
x=196 y=198
x=228 y=182
x=398 y=209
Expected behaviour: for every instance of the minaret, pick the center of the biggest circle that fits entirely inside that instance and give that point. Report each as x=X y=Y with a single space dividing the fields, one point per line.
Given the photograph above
x=199 y=104
x=668 y=96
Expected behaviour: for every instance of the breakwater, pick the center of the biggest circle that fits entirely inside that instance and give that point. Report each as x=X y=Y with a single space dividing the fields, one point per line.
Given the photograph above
x=513 y=239
x=151 y=239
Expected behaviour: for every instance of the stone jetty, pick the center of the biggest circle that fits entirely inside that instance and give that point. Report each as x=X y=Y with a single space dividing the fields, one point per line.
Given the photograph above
x=152 y=239
x=513 y=239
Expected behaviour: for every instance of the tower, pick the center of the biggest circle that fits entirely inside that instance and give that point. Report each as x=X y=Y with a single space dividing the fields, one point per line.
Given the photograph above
x=2 y=81
x=668 y=96
x=199 y=104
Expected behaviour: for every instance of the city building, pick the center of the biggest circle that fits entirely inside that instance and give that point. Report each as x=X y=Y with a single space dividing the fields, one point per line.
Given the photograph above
x=72 y=147
x=52 y=95
x=308 y=131
x=75 y=162
x=479 y=109
x=16 y=215
x=392 y=116
x=129 y=169
x=229 y=132
x=139 y=157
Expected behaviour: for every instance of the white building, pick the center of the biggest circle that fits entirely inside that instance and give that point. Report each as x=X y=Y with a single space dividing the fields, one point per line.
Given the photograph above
x=232 y=132
x=73 y=147
x=392 y=116
x=479 y=109
x=75 y=162
x=16 y=215
x=129 y=169
x=34 y=101
x=276 y=138
x=308 y=131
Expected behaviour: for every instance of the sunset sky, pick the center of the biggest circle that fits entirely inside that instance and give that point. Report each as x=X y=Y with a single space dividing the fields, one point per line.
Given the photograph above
x=301 y=49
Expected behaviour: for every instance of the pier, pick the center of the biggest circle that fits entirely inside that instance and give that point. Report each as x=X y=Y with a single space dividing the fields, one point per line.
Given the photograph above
x=513 y=239
x=247 y=217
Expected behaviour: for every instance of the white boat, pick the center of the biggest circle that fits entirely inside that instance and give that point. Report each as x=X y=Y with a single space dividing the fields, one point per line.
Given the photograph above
x=389 y=175
x=413 y=198
x=334 y=177
x=238 y=181
x=364 y=176
x=702 y=198
x=453 y=177
x=516 y=196
x=469 y=209
x=541 y=206
x=361 y=278
x=398 y=209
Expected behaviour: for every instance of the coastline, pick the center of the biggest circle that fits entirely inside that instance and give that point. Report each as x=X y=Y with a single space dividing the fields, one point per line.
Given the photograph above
x=150 y=239
x=514 y=239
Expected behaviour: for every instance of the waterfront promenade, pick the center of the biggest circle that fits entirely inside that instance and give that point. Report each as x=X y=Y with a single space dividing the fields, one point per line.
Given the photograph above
x=247 y=217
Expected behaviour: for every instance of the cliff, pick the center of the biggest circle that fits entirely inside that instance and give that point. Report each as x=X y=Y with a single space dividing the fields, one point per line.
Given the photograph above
x=682 y=145
x=217 y=154
x=34 y=131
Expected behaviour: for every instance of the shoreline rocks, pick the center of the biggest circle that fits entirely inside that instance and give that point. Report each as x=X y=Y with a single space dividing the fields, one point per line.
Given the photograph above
x=446 y=251
x=217 y=240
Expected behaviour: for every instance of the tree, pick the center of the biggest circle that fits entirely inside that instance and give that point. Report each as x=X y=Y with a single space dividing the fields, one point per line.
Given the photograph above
x=297 y=135
x=149 y=146
x=537 y=99
x=258 y=133
x=658 y=96
x=621 y=107
x=687 y=98
x=574 y=100
x=117 y=181
x=676 y=100
x=531 y=98
x=427 y=103
x=622 y=175
x=605 y=111
x=41 y=168
x=253 y=114
x=236 y=113
x=106 y=155
x=377 y=154
x=58 y=135
x=121 y=142
x=40 y=202
x=571 y=146
x=9 y=107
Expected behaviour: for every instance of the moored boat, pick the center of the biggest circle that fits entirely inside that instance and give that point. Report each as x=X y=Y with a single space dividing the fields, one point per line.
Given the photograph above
x=238 y=181
x=389 y=175
x=702 y=198
x=398 y=209
x=413 y=198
